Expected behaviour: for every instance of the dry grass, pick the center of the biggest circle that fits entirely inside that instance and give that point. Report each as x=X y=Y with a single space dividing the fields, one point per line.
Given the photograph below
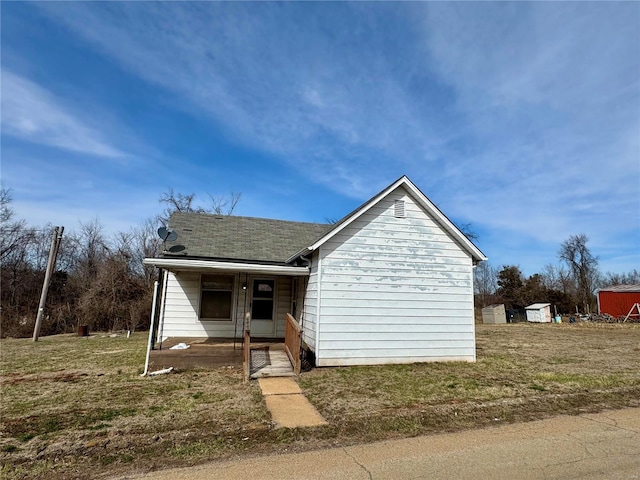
x=522 y=371
x=77 y=408
x=72 y=405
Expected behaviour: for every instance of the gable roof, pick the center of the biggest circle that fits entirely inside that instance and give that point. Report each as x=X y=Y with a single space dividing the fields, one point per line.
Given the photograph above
x=267 y=241
x=439 y=217
x=248 y=239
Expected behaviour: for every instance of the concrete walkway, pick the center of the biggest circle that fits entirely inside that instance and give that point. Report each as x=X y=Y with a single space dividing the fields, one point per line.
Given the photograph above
x=288 y=407
x=595 y=446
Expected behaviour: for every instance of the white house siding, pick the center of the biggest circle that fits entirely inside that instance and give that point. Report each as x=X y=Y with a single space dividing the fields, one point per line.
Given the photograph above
x=310 y=308
x=182 y=305
x=394 y=290
x=283 y=304
x=182 y=309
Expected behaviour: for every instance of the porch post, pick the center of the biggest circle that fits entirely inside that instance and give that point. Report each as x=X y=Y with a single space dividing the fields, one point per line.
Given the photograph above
x=247 y=347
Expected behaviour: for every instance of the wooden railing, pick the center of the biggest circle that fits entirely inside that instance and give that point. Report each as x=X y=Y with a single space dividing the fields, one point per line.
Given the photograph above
x=246 y=345
x=292 y=340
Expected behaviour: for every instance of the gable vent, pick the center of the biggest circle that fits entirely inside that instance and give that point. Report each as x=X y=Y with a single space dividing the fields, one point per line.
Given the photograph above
x=398 y=208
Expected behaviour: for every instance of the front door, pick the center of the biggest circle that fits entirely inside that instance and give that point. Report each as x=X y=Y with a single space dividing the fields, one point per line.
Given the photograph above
x=263 y=308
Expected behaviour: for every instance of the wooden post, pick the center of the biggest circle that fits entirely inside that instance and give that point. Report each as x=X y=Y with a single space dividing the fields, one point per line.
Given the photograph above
x=635 y=306
x=51 y=263
x=246 y=355
x=246 y=352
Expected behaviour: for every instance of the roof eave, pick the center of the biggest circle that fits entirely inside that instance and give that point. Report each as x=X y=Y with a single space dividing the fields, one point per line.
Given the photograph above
x=182 y=264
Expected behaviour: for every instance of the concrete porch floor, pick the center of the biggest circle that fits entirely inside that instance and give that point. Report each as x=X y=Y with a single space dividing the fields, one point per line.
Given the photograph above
x=268 y=358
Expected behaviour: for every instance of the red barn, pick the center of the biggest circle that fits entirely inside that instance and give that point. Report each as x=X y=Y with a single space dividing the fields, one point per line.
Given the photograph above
x=617 y=300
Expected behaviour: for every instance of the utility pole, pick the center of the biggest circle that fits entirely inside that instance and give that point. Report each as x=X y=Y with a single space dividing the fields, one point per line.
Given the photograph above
x=51 y=263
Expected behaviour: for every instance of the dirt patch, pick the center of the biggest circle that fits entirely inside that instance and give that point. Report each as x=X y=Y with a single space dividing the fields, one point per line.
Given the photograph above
x=62 y=376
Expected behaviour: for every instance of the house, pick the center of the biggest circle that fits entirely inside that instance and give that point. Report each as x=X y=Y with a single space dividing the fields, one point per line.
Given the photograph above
x=618 y=300
x=392 y=282
x=539 y=313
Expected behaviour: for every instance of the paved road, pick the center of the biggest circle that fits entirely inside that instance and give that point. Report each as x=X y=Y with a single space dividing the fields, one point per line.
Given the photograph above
x=587 y=447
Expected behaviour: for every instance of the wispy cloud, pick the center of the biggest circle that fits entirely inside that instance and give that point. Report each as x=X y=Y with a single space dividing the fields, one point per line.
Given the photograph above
x=33 y=114
x=520 y=117
x=294 y=80
x=551 y=99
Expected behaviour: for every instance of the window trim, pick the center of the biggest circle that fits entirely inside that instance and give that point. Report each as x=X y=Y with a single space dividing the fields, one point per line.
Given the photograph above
x=234 y=289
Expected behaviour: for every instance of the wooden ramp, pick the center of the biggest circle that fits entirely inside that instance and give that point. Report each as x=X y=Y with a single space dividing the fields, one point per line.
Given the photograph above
x=270 y=361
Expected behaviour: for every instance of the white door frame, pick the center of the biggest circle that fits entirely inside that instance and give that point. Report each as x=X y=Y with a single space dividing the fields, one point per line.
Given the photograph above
x=256 y=330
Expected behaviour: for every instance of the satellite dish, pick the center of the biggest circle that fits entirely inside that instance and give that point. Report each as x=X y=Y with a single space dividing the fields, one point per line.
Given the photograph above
x=167 y=235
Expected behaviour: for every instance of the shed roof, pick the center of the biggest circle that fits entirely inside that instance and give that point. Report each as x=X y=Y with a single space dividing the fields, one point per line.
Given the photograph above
x=494 y=306
x=635 y=288
x=537 y=306
x=248 y=239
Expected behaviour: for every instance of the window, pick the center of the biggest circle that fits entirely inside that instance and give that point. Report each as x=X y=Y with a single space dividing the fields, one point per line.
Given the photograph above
x=262 y=308
x=216 y=297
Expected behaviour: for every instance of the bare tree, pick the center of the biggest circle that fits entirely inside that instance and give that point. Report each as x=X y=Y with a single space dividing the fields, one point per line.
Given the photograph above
x=485 y=281
x=629 y=278
x=583 y=266
x=556 y=277
x=222 y=205
x=467 y=230
x=176 y=202
x=138 y=243
x=14 y=234
x=179 y=202
x=91 y=249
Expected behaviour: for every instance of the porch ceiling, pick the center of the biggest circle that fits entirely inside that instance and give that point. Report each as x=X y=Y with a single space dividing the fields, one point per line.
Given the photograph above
x=182 y=264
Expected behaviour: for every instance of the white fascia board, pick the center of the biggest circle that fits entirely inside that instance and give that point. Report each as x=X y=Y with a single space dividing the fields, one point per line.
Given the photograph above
x=183 y=264
x=445 y=222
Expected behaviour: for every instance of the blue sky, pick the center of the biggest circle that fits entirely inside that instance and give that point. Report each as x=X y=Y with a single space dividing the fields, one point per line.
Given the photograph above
x=522 y=119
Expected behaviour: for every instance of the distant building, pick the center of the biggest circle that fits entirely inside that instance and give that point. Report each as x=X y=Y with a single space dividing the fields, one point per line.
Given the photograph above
x=617 y=300
x=539 y=313
x=494 y=314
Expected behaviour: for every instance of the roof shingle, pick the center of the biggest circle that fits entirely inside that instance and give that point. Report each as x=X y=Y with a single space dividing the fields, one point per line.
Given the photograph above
x=240 y=238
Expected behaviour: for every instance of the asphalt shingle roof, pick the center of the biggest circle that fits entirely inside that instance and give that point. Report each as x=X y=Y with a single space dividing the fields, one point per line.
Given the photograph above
x=240 y=238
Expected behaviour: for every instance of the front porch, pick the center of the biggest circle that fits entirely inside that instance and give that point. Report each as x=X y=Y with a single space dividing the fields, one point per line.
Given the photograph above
x=261 y=357
x=267 y=357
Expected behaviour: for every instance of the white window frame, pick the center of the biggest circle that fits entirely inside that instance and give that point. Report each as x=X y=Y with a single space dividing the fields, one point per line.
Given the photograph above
x=234 y=289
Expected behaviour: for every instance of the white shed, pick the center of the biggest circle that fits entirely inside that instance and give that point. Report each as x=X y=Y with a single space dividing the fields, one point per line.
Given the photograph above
x=494 y=314
x=539 y=313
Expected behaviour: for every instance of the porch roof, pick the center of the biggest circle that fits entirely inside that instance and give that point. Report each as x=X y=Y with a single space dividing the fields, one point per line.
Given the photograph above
x=184 y=264
x=243 y=239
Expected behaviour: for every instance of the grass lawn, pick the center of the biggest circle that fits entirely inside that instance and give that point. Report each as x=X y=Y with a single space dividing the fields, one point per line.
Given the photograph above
x=77 y=407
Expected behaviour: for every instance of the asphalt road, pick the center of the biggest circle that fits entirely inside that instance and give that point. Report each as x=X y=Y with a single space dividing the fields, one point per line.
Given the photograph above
x=586 y=447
